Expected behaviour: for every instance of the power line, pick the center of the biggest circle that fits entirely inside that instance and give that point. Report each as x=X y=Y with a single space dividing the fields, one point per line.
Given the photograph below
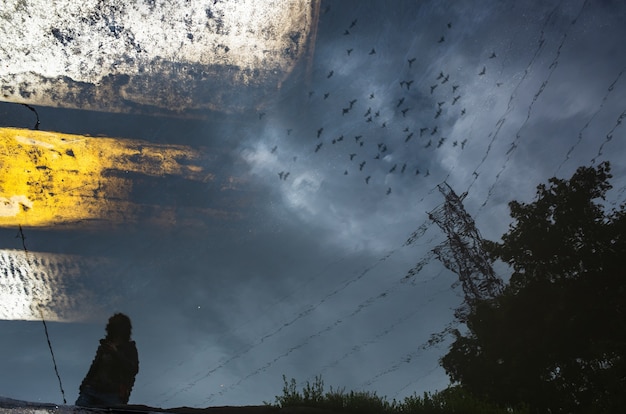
x=43 y=320
x=514 y=144
x=609 y=136
x=461 y=253
x=580 y=133
x=362 y=306
x=414 y=236
x=502 y=120
x=282 y=327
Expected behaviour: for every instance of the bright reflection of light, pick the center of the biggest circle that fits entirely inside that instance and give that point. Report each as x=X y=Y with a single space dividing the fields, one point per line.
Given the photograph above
x=78 y=46
x=51 y=178
x=245 y=34
x=32 y=284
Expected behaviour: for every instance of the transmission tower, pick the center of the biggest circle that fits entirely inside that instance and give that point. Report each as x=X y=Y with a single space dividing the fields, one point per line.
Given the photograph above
x=462 y=251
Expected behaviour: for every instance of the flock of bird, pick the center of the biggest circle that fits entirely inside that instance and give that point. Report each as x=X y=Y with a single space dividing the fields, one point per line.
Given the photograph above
x=375 y=142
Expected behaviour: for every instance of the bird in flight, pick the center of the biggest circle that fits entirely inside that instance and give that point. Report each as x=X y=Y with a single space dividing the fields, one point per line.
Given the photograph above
x=373 y=51
x=319 y=132
x=411 y=61
x=493 y=55
x=330 y=74
x=422 y=130
x=317 y=148
x=408 y=137
x=482 y=72
x=404 y=111
x=441 y=39
x=274 y=149
x=349 y=51
x=367 y=179
x=400 y=102
x=326 y=95
x=456 y=98
x=339 y=139
x=388 y=190
x=393 y=168
x=361 y=165
x=353 y=23
x=352 y=156
x=432 y=88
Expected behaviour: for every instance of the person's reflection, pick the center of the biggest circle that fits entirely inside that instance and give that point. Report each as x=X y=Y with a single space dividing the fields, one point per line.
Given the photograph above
x=112 y=373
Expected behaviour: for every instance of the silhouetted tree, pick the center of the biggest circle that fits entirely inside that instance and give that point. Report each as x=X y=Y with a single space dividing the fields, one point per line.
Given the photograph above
x=555 y=338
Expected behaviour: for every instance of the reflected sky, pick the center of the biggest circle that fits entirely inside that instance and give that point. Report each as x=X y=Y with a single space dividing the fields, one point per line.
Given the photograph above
x=292 y=260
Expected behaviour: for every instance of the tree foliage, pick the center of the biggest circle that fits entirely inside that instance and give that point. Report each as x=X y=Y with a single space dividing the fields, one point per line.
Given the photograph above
x=556 y=336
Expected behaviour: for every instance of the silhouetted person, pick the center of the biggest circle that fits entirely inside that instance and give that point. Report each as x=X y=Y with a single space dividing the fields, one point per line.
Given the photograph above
x=112 y=373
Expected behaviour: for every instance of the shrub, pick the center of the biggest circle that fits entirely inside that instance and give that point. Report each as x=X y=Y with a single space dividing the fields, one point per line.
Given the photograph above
x=453 y=400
